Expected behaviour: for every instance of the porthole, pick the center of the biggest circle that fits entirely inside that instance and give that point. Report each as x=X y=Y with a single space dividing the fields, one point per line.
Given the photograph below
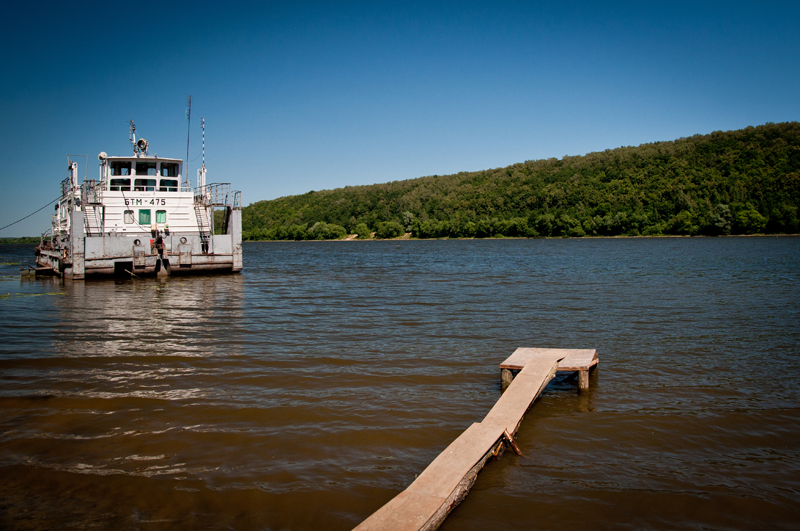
x=137 y=242
x=183 y=239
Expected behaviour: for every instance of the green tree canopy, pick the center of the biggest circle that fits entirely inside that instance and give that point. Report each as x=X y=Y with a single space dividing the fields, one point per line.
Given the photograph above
x=735 y=182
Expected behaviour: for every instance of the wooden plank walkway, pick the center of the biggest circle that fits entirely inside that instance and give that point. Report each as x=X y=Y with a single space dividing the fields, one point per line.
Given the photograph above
x=445 y=483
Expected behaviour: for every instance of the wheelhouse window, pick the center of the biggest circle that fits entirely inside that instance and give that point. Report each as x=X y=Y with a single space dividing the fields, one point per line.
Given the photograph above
x=146 y=168
x=168 y=185
x=144 y=216
x=169 y=169
x=161 y=216
x=144 y=185
x=120 y=167
x=129 y=217
x=120 y=185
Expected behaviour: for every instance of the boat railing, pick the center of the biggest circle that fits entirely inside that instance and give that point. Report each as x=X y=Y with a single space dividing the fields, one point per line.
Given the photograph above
x=92 y=192
x=66 y=186
x=46 y=239
x=57 y=221
x=218 y=195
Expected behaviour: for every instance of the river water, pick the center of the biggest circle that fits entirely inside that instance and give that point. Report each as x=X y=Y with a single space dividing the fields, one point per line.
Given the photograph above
x=307 y=391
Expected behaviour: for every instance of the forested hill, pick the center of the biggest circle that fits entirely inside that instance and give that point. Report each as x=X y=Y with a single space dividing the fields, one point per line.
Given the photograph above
x=734 y=182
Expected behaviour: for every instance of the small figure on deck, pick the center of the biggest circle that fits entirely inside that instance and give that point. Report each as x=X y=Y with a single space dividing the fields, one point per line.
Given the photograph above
x=159 y=244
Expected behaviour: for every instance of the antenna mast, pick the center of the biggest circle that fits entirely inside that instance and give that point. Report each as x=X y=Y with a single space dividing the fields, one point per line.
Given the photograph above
x=188 y=133
x=132 y=136
x=201 y=173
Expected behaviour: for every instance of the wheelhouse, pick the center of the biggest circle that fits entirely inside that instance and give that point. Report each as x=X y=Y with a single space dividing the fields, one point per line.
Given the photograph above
x=141 y=174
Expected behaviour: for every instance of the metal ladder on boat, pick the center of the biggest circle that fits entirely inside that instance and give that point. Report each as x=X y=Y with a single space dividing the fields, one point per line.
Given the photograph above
x=93 y=219
x=93 y=208
x=203 y=224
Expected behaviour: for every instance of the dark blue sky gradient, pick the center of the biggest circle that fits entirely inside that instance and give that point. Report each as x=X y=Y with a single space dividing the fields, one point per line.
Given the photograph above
x=315 y=95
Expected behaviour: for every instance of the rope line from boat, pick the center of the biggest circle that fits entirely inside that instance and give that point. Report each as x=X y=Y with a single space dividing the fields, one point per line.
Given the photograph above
x=32 y=213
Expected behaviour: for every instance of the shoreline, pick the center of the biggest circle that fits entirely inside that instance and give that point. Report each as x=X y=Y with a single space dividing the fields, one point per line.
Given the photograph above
x=407 y=237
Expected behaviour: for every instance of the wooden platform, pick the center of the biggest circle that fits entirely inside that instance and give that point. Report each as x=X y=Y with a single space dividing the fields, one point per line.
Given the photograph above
x=33 y=271
x=582 y=361
x=445 y=483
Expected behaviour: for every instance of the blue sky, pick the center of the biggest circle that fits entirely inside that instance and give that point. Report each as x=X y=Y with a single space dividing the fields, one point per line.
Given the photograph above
x=301 y=96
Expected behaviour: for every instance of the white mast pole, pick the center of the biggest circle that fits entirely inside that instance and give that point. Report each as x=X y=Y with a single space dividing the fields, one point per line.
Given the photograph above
x=188 y=133
x=203 y=122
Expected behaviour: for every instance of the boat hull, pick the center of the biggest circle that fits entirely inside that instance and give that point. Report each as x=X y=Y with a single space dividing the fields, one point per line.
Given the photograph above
x=79 y=256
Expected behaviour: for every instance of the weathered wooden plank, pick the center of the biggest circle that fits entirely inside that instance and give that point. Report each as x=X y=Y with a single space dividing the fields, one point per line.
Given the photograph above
x=449 y=468
x=572 y=359
x=528 y=384
x=579 y=360
x=460 y=492
x=441 y=486
x=408 y=511
x=522 y=356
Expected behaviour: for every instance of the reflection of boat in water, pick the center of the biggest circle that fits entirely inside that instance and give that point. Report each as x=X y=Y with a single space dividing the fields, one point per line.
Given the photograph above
x=139 y=217
x=121 y=319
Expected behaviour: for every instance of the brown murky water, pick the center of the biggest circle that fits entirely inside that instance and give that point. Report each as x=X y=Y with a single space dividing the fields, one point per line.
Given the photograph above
x=309 y=390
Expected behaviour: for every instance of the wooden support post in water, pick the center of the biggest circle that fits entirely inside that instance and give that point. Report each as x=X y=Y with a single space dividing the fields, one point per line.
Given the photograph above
x=506 y=377
x=583 y=380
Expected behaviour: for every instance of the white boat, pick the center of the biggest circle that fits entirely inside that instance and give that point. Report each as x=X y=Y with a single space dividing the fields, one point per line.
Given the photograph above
x=142 y=217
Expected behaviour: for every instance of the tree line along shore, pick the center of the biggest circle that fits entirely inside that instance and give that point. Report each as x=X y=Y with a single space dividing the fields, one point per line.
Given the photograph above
x=20 y=240
x=734 y=182
x=725 y=183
